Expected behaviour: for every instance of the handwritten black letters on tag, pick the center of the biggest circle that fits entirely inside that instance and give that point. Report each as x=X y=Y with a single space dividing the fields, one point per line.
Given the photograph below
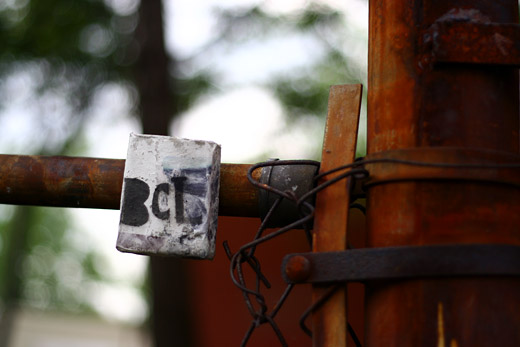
x=136 y=192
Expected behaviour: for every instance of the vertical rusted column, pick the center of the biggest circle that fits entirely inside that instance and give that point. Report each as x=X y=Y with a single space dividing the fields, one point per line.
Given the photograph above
x=412 y=103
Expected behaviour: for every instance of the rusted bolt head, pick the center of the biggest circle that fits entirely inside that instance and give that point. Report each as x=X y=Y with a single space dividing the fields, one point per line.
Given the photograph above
x=298 y=268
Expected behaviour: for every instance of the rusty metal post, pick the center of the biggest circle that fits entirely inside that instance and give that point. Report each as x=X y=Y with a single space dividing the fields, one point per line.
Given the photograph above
x=416 y=102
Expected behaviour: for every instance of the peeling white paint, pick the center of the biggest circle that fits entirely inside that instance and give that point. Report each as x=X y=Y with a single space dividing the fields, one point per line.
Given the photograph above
x=169 y=204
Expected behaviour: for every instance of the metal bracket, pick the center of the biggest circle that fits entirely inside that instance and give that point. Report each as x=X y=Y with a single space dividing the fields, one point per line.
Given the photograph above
x=405 y=262
x=465 y=36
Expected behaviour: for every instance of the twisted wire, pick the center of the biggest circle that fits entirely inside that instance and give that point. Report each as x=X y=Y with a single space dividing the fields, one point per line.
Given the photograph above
x=253 y=297
x=246 y=253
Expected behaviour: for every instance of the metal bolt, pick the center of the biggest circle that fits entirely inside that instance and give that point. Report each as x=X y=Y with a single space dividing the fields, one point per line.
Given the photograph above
x=298 y=268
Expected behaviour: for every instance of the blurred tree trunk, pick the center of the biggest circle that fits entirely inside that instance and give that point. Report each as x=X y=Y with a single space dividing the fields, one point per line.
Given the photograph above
x=15 y=243
x=170 y=314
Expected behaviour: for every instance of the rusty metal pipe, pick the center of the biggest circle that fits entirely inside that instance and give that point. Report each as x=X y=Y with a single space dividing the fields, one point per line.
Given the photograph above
x=96 y=183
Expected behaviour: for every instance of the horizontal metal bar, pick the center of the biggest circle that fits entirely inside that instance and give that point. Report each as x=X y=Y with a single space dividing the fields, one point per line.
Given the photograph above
x=406 y=262
x=97 y=183
x=471 y=42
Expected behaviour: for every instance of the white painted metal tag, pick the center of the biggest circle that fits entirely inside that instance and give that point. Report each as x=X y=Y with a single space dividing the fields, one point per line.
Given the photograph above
x=169 y=203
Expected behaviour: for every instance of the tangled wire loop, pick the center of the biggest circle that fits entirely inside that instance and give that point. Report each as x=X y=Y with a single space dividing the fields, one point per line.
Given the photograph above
x=246 y=253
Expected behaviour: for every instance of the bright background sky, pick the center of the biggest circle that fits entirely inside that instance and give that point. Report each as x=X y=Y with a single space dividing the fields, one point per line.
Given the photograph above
x=224 y=117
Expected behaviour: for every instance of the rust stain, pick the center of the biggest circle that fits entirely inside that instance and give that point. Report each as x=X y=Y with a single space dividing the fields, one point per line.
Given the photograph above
x=440 y=326
x=96 y=183
x=451 y=104
x=331 y=219
x=237 y=196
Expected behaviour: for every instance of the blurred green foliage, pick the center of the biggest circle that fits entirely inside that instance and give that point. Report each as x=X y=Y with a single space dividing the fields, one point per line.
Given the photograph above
x=40 y=264
x=74 y=38
x=302 y=91
x=54 y=30
x=68 y=49
x=71 y=48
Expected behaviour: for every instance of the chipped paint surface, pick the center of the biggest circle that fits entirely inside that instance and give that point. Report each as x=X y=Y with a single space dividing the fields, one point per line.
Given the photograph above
x=169 y=204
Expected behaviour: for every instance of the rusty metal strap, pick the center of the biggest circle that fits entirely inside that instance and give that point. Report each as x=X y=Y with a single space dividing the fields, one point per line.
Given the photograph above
x=406 y=262
x=472 y=42
x=443 y=163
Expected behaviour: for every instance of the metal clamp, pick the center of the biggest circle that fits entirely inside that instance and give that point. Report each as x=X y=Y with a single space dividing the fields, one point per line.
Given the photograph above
x=296 y=178
x=400 y=263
